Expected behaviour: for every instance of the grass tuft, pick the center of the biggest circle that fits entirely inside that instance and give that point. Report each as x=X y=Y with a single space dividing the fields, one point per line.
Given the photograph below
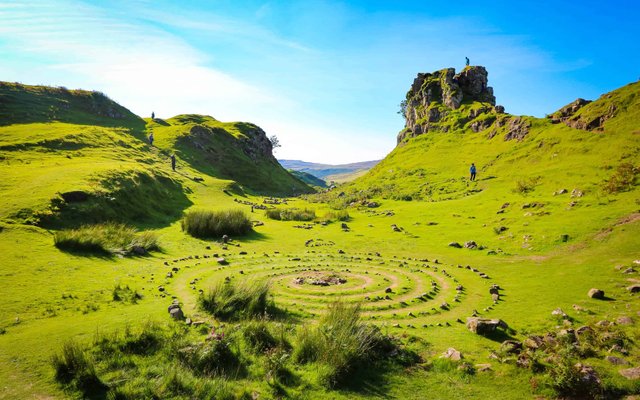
x=109 y=238
x=229 y=301
x=207 y=224
x=291 y=214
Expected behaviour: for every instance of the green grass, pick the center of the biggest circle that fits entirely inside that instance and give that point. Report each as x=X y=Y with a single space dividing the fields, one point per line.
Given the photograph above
x=208 y=224
x=111 y=238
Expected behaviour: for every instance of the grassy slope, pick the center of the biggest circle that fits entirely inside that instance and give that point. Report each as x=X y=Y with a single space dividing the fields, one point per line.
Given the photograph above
x=218 y=149
x=537 y=277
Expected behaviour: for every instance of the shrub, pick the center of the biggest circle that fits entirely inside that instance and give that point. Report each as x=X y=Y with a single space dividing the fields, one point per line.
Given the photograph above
x=624 y=179
x=527 y=185
x=229 y=301
x=206 y=223
x=109 y=237
x=291 y=214
x=125 y=294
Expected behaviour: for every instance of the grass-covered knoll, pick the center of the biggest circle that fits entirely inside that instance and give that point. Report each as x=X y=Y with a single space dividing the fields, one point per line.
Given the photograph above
x=109 y=238
x=20 y=104
x=239 y=151
x=210 y=224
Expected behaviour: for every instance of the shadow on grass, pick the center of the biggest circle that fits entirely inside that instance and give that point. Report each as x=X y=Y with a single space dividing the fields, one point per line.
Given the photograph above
x=500 y=335
x=370 y=381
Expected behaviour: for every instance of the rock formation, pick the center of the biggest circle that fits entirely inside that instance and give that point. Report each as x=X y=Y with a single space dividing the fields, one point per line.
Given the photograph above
x=434 y=96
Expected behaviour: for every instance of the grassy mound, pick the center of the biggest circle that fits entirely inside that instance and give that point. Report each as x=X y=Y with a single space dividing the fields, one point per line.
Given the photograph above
x=207 y=224
x=110 y=237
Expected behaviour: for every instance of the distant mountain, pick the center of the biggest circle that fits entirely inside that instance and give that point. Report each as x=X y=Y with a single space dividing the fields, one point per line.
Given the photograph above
x=329 y=172
x=308 y=178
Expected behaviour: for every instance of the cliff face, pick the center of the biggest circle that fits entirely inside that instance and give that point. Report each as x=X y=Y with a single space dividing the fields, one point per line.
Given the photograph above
x=435 y=100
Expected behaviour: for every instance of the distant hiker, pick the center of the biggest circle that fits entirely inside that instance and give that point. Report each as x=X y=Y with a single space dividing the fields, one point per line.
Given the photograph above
x=472 y=170
x=173 y=162
x=151 y=139
x=153 y=115
x=466 y=61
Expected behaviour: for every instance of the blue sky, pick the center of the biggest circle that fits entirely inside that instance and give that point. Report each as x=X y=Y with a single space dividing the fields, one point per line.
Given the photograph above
x=326 y=77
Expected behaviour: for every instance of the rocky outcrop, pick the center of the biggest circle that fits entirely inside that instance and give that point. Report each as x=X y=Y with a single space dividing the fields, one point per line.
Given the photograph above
x=433 y=97
x=574 y=115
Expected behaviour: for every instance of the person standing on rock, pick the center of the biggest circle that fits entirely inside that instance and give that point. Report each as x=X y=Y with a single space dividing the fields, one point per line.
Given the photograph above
x=173 y=162
x=153 y=115
x=472 y=171
x=466 y=59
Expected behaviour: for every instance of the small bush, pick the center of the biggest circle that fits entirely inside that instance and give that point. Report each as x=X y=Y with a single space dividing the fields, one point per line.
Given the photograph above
x=125 y=294
x=109 y=237
x=207 y=224
x=229 y=301
x=527 y=185
x=291 y=214
x=624 y=179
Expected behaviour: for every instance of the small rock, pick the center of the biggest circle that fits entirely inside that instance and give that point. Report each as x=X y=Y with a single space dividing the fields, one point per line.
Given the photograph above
x=616 y=360
x=452 y=354
x=511 y=346
x=631 y=373
x=388 y=290
x=596 y=294
x=470 y=245
x=558 y=312
x=634 y=288
x=176 y=313
x=483 y=367
x=221 y=261
x=624 y=321
x=455 y=244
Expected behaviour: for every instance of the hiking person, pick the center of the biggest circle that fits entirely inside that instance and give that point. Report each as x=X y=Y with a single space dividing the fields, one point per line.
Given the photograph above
x=173 y=162
x=472 y=170
x=151 y=139
x=153 y=115
x=466 y=61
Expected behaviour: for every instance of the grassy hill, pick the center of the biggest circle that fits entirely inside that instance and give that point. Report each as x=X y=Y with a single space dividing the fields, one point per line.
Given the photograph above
x=309 y=179
x=328 y=172
x=382 y=244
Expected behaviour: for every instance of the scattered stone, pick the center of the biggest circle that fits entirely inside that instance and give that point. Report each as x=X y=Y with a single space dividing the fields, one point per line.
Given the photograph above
x=470 y=245
x=388 y=290
x=483 y=367
x=634 y=288
x=629 y=271
x=596 y=294
x=176 y=313
x=561 y=191
x=533 y=342
x=221 y=261
x=616 y=360
x=188 y=321
x=495 y=297
x=452 y=354
x=589 y=375
x=161 y=288
x=482 y=326
x=624 y=321
x=631 y=373
x=578 y=308
x=558 y=312
x=138 y=250
x=395 y=228
x=511 y=346
x=577 y=193
x=455 y=244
